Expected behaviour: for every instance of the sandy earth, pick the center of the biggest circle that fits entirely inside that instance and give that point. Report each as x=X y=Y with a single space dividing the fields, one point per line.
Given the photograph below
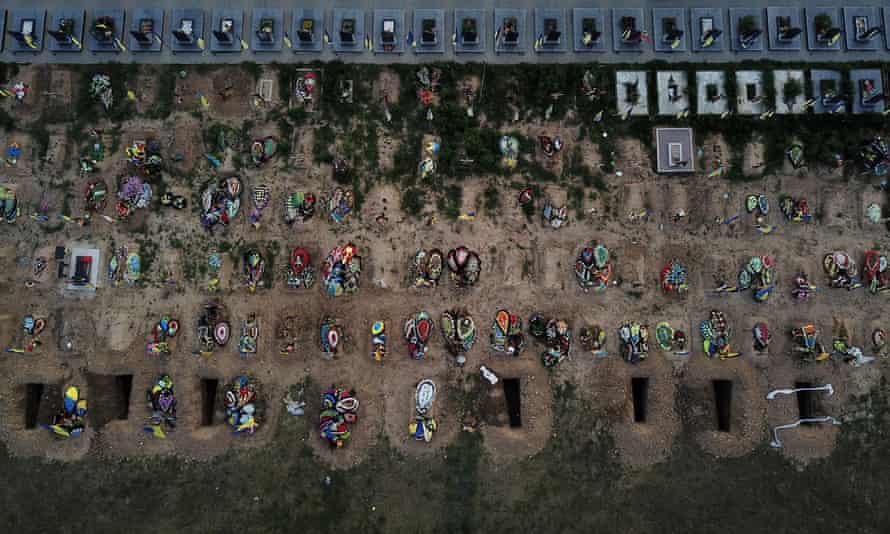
x=526 y=268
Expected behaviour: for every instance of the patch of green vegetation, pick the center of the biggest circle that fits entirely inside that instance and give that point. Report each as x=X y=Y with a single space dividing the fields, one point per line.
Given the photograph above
x=464 y=490
x=298 y=116
x=286 y=78
x=325 y=138
x=538 y=173
x=115 y=139
x=66 y=202
x=575 y=166
x=163 y=105
x=252 y=68
x=747 y=24
x=769 y=89
x=8 y=71
x=246 y=138
x=791 y=89
x=285 y=134
x=576 y=200
x=40 y=136
x=462 y=462
x=596 y=181
x=372 y=155
x=148 y=252
x=405 y=160
x=52 y=228
x=492 y=196
x=272 y=251
x=413 y=201
x=7 y=122
x=449 y=201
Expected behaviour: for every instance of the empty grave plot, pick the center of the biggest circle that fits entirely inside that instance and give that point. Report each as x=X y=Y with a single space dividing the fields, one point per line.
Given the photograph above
x=556 y=266
x=109 y=398
x=39 y=402
x=513 y=397
x=676 y=207
x=723 y=404
x=511 y=265
x=809 y=403
x=630 y=261
x=635 y=199
x=209 y=401
x=839 y=207
x=639 y=390
x=503 y=405
x=724 y=411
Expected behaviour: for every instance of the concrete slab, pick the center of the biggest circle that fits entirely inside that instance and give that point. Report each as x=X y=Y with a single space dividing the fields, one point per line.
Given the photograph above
x=790 y=18
x=673 y=92
x=432 y=42
x=30 y=23
x=235 y=33
x=339 y=32
x=857 y=23
x=503 y=43
x=822 y=82
x=860 y=77
x=551 y=31
x=628 y=82
x=813 y=43
x=274 y=39
x=674 y=150
x=595 y=20
x=735 y=17
x=470 y=31
x=619 y=17
x=709 y=17
x=193 y=18
x=662 y=18
x=705 y=105
x=397 y=46
x=795 y=105
x=71 y=37
x=313 y=39
x=152 y=16
x=112 y=44
x=749 y=90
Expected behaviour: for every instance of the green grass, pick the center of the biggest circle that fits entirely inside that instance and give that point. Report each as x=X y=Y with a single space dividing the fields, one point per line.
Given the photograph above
x=576 y=484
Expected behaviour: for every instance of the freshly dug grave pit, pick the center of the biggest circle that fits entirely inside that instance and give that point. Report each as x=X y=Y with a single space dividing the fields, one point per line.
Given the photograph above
x=513 y=396
x=503 y=404
x=809 y=404
x=109 y=398
x=39 y=403
x=640 y=391
x=209 y=392
x=723 y=404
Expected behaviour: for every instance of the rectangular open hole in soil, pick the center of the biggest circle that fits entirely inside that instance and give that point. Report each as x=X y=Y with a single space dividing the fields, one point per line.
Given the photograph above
x=723 y=402
x=123 y=386
x=807 y=401
x=513 y=395
x=33 y=396
x=640 y=389
x=40 y=402
x=109 y=398
x=208 y=400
